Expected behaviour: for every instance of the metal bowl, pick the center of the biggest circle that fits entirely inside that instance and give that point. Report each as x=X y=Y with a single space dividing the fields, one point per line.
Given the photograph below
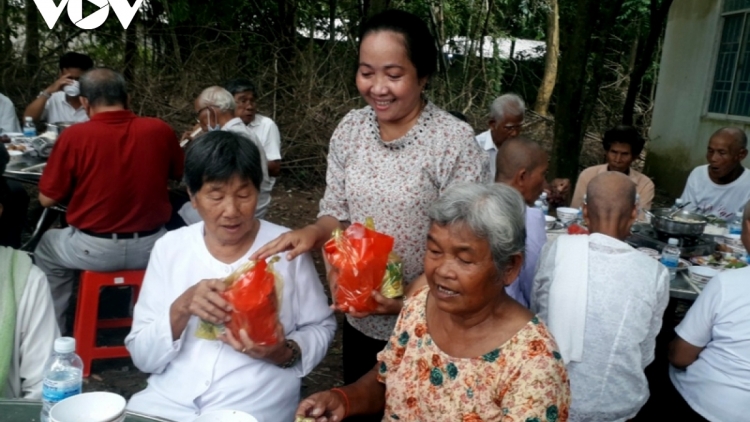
x=674 y=227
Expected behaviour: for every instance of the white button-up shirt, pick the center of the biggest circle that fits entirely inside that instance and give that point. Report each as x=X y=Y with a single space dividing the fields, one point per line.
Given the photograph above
x=190 y=376
x=268 y=133
x=8 y=118
x=57 y=110
x=484 y=140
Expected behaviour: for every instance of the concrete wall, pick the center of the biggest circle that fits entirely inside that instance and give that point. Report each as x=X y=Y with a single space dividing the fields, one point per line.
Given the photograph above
x=680 y=128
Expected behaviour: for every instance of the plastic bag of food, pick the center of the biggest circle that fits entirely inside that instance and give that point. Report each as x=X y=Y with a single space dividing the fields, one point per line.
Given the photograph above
x=360 y=255
x=254 y=290
x=393 y=280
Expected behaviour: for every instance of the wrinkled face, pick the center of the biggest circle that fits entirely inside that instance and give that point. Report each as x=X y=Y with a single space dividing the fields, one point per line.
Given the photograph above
x=619 y=157
x=72 y=72
x=387 y=79
x=227 y=209
x=459 y=269
x=723 y=155
x=245 y=106
x=536 y=181
x=505 y=128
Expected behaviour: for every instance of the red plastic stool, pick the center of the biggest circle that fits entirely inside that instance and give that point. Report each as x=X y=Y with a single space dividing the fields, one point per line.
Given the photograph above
x=87 y=314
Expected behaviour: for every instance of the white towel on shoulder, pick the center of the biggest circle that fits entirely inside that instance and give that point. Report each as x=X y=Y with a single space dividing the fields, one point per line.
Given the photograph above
x=568 y=296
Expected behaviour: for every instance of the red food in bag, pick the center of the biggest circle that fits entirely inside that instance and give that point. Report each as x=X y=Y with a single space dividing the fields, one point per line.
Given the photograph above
x=361 y=256
x=255 y=305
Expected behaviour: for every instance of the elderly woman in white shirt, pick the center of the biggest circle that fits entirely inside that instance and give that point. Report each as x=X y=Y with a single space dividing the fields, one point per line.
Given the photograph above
x=190 y=376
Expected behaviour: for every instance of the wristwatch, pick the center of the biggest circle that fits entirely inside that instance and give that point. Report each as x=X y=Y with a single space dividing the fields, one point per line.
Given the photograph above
x=296 y=354
x=44 y=94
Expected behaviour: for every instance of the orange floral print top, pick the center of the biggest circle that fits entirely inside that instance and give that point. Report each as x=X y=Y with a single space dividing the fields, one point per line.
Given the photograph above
x=523 y=380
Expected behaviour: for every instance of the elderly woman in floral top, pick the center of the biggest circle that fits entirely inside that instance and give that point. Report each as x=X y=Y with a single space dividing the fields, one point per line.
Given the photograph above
x=390 y=161
x=462 y=349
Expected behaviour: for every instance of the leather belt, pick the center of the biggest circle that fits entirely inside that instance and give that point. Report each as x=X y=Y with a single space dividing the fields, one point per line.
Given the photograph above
x=115 y=236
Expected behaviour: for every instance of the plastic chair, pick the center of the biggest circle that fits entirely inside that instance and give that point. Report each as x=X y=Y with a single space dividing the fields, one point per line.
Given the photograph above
x=87 y=321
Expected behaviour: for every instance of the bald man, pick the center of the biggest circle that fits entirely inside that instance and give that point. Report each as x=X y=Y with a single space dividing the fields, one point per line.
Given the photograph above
x=522 y=164
x=722 y=187
x=603 y=302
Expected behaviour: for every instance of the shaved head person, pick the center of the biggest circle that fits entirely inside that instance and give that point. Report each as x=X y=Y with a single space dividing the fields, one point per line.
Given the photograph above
x=722 y=187
x=522 y=164
x=600 y=295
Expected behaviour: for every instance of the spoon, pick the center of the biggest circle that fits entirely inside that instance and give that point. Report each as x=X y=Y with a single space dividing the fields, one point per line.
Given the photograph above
x=679 y=208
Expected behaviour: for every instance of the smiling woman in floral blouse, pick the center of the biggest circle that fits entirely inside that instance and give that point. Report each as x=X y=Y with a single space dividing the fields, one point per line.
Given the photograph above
x=462 y=349
x=389 y=160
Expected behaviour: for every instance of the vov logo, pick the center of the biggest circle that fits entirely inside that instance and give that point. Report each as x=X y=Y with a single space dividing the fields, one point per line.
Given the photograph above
x=124 y=11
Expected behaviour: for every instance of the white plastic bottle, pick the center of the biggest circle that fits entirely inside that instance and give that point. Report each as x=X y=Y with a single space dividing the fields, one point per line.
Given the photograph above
x=63 y=375
x=670 y=257
x=538 y=204
x=735 y=224
x=545 y=203
x=29 y=129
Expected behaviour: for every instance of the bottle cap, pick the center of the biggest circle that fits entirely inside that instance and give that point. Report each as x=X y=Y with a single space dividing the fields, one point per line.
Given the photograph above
x=544 y=195
x=65 y=345
x=28 y=119
x=538 y=204
x=678 y=201
x=673 y=241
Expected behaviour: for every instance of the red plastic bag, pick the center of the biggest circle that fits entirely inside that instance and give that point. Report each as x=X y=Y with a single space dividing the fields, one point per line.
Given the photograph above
x=361 y=257
x=254 y=291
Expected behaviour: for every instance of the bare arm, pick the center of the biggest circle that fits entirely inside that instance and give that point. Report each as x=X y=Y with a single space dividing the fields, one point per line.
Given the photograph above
x=682 y=354
x=274 y=168
x=364 y=397
x=297 y=242
x=202 y=300
x=46 y=201
x=36 y=108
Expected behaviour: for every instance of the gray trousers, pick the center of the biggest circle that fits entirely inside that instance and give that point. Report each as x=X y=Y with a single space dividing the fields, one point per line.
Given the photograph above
x=63 y=252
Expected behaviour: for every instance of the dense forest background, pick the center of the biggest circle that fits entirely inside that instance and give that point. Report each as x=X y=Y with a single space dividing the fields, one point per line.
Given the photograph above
x=595 y=65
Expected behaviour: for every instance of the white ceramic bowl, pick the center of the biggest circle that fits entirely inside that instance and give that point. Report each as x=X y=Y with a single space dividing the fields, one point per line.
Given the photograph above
x=225 y=416
x=549 y=221
x=733 y=240
x=701 y=274
x=97 y=406
x=566 y=215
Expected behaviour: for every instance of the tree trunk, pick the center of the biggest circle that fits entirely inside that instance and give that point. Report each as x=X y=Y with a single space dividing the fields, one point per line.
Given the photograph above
x=550 y=62
x=131 y=50
x=5 y=45
x=569 y=112
x=332 y=22
x=173 y=37
x=31 y=48
x=657 y=23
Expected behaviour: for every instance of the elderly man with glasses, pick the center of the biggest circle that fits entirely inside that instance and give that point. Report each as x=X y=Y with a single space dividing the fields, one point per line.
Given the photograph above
x=215 y=110
x=506 y=120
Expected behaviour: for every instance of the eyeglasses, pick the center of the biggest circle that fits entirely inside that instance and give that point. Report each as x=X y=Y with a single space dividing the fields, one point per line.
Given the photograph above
x=198 y=113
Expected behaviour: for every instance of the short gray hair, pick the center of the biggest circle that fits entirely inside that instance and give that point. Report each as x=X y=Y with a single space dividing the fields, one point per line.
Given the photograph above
x=507 y=105
x=216 y=96
x=494 y=212
x=103 y=86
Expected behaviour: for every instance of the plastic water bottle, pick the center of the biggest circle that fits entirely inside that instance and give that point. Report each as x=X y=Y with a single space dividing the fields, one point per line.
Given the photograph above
x=538 y=204
x=545 y=203
x=670 y=257
x=735 y=224
x=63 y=375
x=29 y=130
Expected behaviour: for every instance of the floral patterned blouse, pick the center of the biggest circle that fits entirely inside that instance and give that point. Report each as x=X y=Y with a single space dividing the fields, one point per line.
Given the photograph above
x=396 y=182
x=523 y=380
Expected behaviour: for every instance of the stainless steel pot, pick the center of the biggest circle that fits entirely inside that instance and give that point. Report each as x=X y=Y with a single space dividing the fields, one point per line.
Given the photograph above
x=670 y=226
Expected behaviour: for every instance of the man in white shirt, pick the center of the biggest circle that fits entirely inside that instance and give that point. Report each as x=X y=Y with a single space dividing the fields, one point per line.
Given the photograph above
x=522 y=164
x=60 y=102
x=245 y=97
x=215 y=110
x=27 y=321
x=722 y=187
x=8 y=118
x=506 y=120
x=711 y=354
x=603 y=302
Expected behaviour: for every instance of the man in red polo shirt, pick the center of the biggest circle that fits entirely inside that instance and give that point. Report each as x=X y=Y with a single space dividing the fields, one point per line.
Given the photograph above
x=112 y=172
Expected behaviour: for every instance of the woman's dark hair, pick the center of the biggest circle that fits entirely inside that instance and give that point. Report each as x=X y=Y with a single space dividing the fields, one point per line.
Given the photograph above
x=104 y=86
x=418 y=41
x=622 y=134
x=218 y=156
x=459 y=115
x=72 y=60
x=235 y=86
